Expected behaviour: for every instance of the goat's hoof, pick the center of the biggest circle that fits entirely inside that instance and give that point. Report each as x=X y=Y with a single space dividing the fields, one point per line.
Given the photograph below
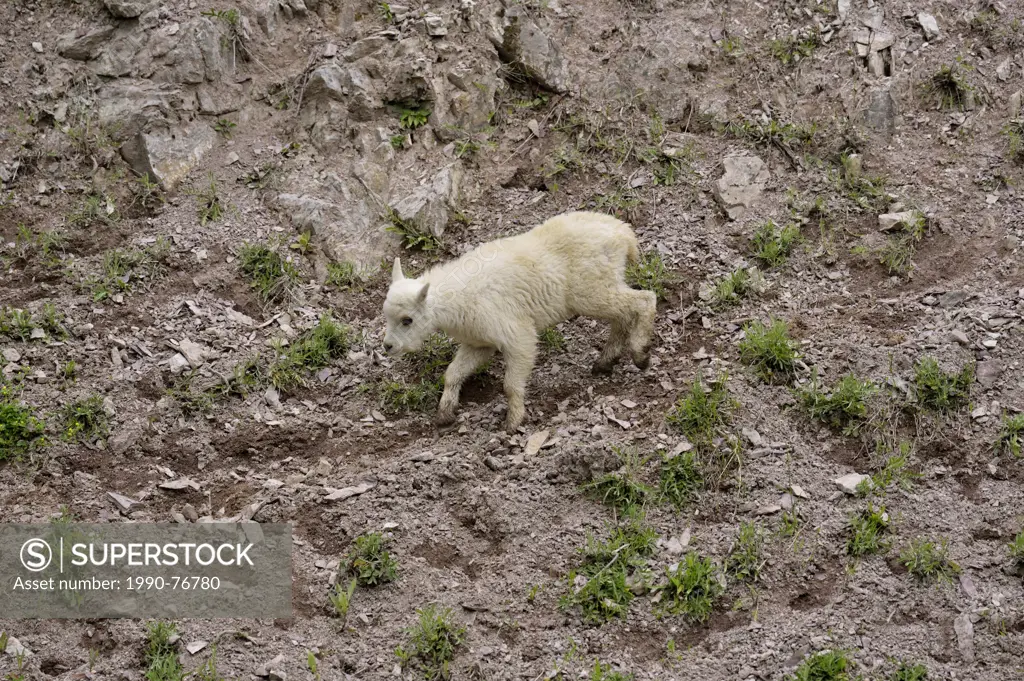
x=642 y=362
x=602 y=368
x=443 y=419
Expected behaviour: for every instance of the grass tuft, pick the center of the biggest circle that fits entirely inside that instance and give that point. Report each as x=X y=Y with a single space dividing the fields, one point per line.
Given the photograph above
x=929 y=561
x=949 y=87
x=314 y=350
x=1016 y=548
x=85 y=420
x=622 y=489
x=423 y=391
x=552 y=339
x=680 y=479
x=370 y=561
x=829 y=665
x=161 y=653
x=649 y=274
x=772 y=244
x=733 y=288
x=869 y=529
x=1011 y=436
x=939 y=390
x=269 y=273
x=412 y=235
x=433 y=642
x=693 y=586
x=909 y=672
x=845 y=408
x=769 y=350
x=746 y=558
x=341 y=598
x=700 y=414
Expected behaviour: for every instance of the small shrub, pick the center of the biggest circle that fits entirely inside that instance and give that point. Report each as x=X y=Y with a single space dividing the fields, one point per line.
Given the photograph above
x=680 y=479
x=769 y=350
x=701 y=413
x=20 y=431
x=746 y=558
x=831 y=665
x=209 y=205
x=896 y=469
x=732 y=288
x=929 y=561
x=648 y=274
x=552 y=339
x=432 y=643
x=622 y=489
x=599 y=586
x=1011 y=437
x=224 y=126
x=341 y=598
x=909 y=672
x=772 y=244
x=370 y=561
x=413 y=237
x=869 y=529
x=314 y=350
x=939 y=390
x=267 y=272
x=412 y=118
x=845 y=408
x=949 y=87
x=85 y=420
x=161 y=654
x=692 y=588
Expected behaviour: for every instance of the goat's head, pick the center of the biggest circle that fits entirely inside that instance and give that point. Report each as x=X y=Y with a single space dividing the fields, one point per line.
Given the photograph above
x=407 y=312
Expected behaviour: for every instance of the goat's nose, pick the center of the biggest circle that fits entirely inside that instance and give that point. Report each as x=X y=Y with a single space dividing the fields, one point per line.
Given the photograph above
x=388 y=346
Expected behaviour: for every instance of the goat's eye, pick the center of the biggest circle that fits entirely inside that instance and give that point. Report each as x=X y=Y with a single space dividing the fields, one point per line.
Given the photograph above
x=406 y=321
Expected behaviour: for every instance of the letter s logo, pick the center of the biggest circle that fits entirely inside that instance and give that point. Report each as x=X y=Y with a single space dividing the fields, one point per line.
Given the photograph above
x=36 y=555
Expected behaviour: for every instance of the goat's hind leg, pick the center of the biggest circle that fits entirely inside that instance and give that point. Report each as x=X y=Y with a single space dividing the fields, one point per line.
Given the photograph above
x=641 y=332
x=613 y=349
x=467 y=360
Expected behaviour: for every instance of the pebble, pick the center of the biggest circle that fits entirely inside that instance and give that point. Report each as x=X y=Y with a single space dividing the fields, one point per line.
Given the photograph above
x=990 y=343
x=849 y=482
x=38 y=47
x=346 y=492
x=11 y=355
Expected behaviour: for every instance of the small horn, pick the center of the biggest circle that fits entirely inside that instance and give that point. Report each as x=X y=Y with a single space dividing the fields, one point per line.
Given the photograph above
x=396 y=271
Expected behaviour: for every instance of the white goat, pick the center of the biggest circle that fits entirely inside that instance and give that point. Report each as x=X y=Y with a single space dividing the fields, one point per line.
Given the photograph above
x=501 y=294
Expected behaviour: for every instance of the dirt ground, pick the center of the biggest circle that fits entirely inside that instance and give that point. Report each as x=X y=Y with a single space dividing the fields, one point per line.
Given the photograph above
x=474 y=523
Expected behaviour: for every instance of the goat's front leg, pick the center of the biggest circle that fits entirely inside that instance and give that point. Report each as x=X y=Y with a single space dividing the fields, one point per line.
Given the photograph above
x=467 y=360
x=519 y=361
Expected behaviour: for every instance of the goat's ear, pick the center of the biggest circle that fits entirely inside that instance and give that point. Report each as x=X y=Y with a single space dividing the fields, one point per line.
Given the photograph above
x=423 y=293
x=396 y=271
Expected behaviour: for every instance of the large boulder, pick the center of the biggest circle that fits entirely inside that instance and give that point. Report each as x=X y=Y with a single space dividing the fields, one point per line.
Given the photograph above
x=128 y=107
x=427 y=207
x=741 y=184
x=83 y=45
x=521 y=42
x=168 y=155
x=128 y=9
x=336 y=96
x=466 y=98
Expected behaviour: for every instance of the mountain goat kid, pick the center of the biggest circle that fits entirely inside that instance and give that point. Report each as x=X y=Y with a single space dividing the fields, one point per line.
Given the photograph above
x=501 y=294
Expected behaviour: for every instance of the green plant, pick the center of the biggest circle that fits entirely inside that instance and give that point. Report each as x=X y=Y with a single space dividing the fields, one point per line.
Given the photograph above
x=731 y=47
x=600 y=585
x=868 y=531
x=702 y=412
x=85 y=420
x=845 y=407
x=433 y=642
x=746 y=558
x=208 y=670
x=769 y=350
x=344 y=275
x=602 y=672
x=949 y=87
x=412 y=118
x=622 y=489
x=732 y=288
x=312 y=665
x=413 y=237
x=680 y=478
x=929 y=561
x=1017 y=550
x=53 y=322
x=267 y=272
x=224 y=126
x=691 y=589
x=20 y=431
x=939 y=390
x=896 y=469
x=385 y=13
x=341 y=598
x=161 y=655
x=789 y=525
x=370 y=561
x=424 y=390
x=1011 y=436
x=772 y=244
x=16 y=324
x=648 y=274
x=303 y=243
x=1014 y=134
x=909 y=672
x=791 y=50
x=466 y=147
x=829 y=665
x=314 y=350
x=95 y=209
x=146 y=194
x=896 y=255
x=398 y=141
x=209 y=205
x=552 y=339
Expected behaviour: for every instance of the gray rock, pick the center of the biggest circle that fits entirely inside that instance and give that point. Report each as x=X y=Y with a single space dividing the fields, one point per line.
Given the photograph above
x=965 y=636
x=928 y=25
x=123 y=503
x=128 y=108
x=1003 y=70
x=888 y=222
x=193 y=352
x=265 y=668
x=348 y=492
x=127 y=9
x=988 y=372
x=880 y=115
x=959 y=337
x=168 y=156
x=364 y=48
x=38 y=47
x=427 y=206
x=436 y=27
x=520 y=41
x=1016 y=103
x=843 y=9
x=219 y=99
x=83 y=45
x=741 y=184
x=11 y=355
x=849 y=482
